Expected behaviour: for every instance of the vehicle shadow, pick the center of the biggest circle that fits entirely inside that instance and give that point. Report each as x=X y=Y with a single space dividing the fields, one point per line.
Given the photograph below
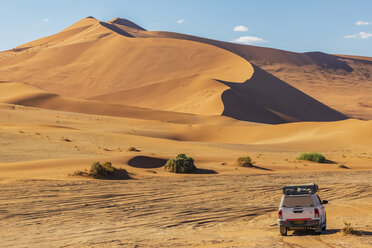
x=312 y=232
x=327 y=232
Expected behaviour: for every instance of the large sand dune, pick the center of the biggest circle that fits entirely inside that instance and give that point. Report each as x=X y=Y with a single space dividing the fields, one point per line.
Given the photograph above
x=103 y=61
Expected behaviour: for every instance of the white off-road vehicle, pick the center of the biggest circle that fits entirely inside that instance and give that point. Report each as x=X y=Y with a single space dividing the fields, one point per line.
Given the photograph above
x=301 y=208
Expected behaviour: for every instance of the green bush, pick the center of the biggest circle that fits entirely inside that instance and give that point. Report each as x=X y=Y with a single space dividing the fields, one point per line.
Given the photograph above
x=103 y=171
x=245 y=161
x=181 y=164
x=312 y=156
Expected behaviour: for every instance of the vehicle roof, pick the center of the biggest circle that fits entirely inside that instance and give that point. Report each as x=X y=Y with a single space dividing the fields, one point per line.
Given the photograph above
x=299 y=195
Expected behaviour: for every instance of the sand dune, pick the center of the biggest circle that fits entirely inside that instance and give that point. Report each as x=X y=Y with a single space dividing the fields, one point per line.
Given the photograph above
x=28 y=95
x=195 y=94
x=106 y=63
x=102 y=61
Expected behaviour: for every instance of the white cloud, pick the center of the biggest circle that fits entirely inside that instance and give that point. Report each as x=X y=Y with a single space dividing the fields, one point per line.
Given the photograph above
x=360 y=35
x=249 y=40
x=365 y=35
x=240 y=28
x=45 y=20
x=181 y=21
x=362 y=23
x=350 y=36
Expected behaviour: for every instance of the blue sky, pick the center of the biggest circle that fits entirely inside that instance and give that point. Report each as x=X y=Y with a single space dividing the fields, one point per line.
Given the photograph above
x=331 y=26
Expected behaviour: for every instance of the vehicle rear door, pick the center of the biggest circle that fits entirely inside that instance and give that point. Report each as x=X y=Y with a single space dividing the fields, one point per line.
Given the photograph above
x=298 y=208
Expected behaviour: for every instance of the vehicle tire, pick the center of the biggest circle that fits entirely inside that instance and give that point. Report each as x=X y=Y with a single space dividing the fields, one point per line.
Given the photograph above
x=283 y=230
x=324 y=228
x=318 y=230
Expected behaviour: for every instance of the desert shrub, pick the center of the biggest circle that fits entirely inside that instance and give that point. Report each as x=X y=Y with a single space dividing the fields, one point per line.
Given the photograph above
x=245 y=161
x=99 y=170
x=343 y=166
x=103 y=171
x=349 y=230
x=312 y=156
x=132 y=149
x=180 y=164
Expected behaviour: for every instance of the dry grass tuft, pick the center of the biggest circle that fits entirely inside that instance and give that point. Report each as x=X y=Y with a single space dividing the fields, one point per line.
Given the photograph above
x=349 y=230
x=133 y=149
x=312 y=156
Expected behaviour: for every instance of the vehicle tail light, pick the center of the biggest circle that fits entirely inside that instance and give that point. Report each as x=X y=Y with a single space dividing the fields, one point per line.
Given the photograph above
x=280 y=215
x=316 y=213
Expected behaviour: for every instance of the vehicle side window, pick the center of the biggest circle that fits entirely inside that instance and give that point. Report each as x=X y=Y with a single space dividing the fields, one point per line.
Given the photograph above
x=316 y=200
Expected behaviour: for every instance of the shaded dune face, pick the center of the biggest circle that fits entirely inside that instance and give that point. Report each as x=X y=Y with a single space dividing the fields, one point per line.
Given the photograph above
x=115 y=29
x=127 y=23
x=266 y=99
x=105 y=61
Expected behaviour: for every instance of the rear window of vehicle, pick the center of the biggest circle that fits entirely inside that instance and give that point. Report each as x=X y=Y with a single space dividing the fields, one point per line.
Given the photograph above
x=297 y=201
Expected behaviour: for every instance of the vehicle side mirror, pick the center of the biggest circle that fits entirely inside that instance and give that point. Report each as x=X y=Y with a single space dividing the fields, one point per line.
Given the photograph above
x=324 y=202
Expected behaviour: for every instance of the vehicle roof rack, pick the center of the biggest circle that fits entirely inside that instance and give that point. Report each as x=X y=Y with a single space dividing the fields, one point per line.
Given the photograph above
x=302 y=189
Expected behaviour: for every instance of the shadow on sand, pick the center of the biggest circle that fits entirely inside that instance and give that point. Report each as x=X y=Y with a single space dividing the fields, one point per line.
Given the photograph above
x=146 y=162
x=116 y=29
x=327 y=161
x=312 y=232
x=260 y=168
x=265 y=98
x=327 y=232
x=204 y=171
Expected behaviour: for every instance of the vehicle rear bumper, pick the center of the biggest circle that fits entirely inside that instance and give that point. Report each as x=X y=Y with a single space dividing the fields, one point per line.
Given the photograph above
x=299 y=224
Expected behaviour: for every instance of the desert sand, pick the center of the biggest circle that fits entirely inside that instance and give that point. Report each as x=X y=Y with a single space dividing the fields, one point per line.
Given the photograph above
x=97 y=88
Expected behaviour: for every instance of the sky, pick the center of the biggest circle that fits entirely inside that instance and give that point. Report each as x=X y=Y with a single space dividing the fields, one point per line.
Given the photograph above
x=330 y=26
